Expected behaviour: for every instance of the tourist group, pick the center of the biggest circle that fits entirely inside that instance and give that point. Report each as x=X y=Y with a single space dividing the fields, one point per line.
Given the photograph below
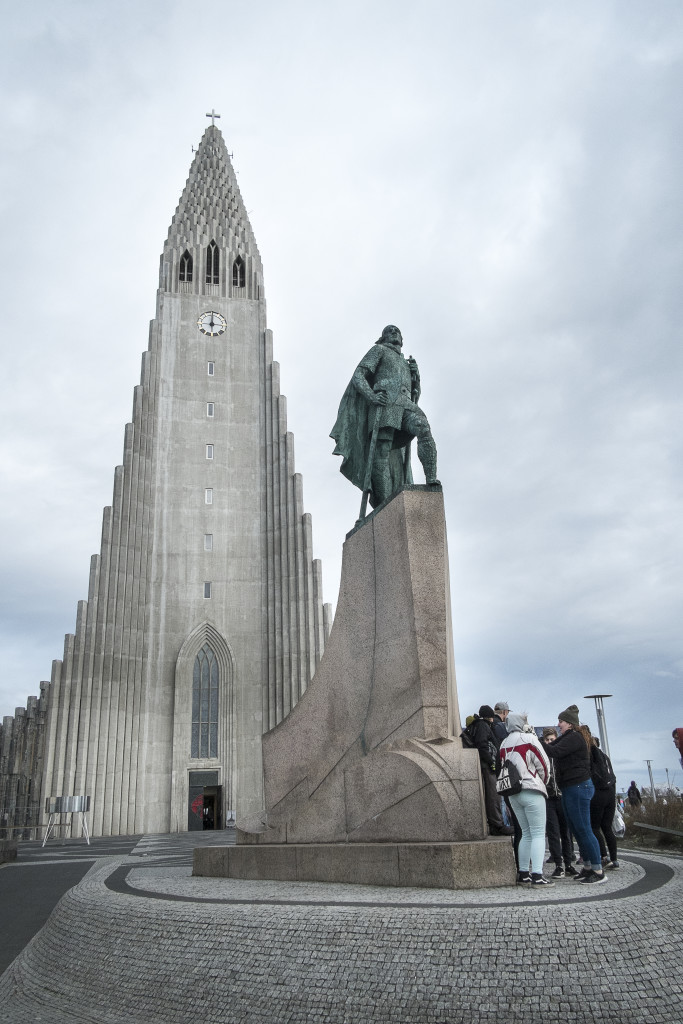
x=559 y=784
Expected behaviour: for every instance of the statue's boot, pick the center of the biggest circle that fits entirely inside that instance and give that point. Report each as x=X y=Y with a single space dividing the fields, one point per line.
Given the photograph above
x=426 y=453
x=381 y=478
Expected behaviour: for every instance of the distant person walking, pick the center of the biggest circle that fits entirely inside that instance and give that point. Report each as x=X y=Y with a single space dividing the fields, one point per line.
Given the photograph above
x=571 y=755
x=633 y=794
x=523 y=749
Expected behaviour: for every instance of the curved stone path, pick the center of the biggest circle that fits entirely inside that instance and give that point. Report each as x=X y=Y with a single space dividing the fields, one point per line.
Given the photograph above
x=153 y=945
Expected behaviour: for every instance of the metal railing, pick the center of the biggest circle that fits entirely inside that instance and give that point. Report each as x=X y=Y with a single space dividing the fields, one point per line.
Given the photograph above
x=657 y=828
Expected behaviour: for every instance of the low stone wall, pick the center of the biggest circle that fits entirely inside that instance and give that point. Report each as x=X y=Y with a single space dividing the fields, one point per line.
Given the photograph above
x=8 y=850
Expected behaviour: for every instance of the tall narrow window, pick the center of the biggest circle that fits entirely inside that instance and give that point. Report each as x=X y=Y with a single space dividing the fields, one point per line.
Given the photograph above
x=207 y=590
x=212 y=263
x=204 y=741
x=208 y=542
x=238 y=273
x=208 y=496
x=209 y=451
x=209 y=409
x=185 y=273
x=211 y=369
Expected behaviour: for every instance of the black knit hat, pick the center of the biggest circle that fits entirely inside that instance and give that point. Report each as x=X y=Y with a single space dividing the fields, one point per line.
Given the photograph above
x=486 y=712
x=571 y=715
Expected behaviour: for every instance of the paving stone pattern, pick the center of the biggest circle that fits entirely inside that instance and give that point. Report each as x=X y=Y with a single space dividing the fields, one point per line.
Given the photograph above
x=112 y=957
x=179 y=882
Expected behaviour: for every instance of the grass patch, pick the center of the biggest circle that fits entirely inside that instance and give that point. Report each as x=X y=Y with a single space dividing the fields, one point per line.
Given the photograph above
x=665 y=812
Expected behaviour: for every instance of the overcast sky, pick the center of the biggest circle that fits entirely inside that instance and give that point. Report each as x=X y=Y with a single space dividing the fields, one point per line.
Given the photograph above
x=502 y=180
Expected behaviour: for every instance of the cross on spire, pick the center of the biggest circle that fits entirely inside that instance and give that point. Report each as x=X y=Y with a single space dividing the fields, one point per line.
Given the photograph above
x=213 y=115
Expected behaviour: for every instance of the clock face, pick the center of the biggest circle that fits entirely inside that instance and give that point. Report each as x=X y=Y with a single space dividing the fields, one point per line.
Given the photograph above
x=212 y=323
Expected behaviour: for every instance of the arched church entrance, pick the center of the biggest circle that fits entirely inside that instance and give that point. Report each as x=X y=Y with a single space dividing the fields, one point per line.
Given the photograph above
x=205 y=802
x=203 y=743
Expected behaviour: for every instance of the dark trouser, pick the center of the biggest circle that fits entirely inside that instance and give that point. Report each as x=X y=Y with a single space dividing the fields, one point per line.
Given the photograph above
x=559 y=841
x=603 y=806
x=491 y=798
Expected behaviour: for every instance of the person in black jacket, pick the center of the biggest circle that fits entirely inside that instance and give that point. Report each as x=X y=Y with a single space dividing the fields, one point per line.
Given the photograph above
x=559 y=840
x=500 y=732
x=500 y=729
x=484 y=740
x=571 y=755
x=633 y=794
x=603 y=804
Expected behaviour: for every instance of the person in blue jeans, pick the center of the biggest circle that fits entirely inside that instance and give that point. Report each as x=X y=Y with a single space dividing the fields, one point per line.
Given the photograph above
x=571 y=756
x=522 y=748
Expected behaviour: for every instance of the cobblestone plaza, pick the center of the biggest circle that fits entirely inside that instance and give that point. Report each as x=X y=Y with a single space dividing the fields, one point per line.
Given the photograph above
x=151 y=943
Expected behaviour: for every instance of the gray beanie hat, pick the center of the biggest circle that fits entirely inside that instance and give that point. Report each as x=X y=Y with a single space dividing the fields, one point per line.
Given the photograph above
x=571 y=716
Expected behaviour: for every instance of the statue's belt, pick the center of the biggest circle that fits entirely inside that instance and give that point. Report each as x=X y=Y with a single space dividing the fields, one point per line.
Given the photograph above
x=395 y=391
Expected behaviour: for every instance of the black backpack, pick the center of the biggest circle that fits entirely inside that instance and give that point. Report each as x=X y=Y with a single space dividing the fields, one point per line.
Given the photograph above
x=601 y=769
x=467 y=738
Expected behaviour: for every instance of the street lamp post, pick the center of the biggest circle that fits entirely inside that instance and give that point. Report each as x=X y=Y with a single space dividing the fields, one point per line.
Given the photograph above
x=652 y=782
x=600 y=712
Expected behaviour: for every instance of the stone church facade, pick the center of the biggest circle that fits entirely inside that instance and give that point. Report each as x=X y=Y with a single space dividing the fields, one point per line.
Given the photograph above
x=204 y=621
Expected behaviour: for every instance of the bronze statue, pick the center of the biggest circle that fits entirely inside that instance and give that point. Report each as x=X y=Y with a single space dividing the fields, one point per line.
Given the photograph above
x=378 y=419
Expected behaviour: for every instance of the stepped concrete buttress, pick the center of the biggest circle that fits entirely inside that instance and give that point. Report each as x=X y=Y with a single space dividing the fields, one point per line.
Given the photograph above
x=366 y=779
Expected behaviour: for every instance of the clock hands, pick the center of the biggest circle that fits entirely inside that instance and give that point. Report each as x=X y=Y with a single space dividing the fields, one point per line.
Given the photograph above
x=212 y=323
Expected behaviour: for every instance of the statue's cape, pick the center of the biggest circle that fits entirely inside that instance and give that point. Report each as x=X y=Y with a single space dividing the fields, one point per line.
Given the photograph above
x=352 y=433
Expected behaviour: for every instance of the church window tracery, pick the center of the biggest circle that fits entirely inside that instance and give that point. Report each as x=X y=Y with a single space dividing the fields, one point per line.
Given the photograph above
x=212 y=263
x=185 y=273
x=238 y=273
x=204 y=742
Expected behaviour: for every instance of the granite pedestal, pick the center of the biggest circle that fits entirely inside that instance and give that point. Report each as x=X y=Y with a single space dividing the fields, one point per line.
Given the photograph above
x=367 y=777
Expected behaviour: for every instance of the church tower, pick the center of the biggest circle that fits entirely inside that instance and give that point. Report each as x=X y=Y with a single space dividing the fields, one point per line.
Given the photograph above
x=204 y=621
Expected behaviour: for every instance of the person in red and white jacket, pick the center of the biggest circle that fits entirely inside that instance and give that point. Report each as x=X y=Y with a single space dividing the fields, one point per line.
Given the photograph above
x=524 y=750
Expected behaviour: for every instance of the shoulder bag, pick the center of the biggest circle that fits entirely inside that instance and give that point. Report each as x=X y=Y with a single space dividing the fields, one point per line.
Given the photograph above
x=509 y=781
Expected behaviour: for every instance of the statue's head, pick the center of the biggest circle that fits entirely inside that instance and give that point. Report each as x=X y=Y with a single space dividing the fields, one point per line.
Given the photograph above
x=391 y=336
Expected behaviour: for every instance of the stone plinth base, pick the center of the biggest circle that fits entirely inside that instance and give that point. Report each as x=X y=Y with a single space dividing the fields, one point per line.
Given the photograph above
x=466 y=865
